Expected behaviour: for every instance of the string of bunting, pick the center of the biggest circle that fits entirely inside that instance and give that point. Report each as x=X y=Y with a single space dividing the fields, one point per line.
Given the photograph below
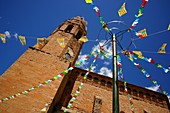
x=150 y=60
x=137 y=16
x=120 y=73
x=81 y=84
x=78 y=63
x=104 y=25
x=40 y=41
x=129 y=55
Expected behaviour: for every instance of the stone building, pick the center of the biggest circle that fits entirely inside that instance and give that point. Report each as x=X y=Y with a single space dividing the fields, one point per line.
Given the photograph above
x=60 y=51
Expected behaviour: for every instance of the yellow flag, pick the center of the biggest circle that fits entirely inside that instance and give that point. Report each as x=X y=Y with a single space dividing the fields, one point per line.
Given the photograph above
x=3 y=38
x=122 y=10
x=142 y=33
x=61 y=42
x=22 y=40
x=139 y=53
x=41 y=42
x=162 y=48
x=169 y=27
x=88 y=1
x=83 y=39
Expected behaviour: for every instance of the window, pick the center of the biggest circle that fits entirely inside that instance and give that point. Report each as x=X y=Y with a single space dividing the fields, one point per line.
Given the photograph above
x=134 y=92
x=122 y=112
x=154 y=98
x=160 y=100
x=103 y=82
x=69 y=28
x=68 y=56
x=79 y=35
x=109 y=84
x=122 y=88
x=140 y=94
x=129 y=90
x=147 y=96
x=96 y=80
x=89 y=77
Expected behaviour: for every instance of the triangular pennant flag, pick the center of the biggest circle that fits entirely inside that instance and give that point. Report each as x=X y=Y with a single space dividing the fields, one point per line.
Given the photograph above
x=122 y=10
x=3 y=38
x=61 y=42
x=88 y=1
x=22 y=40
x=41 y=42
x=169 y=27
x=142 y=33
x=139 y=53
x=162 y=48
x=83 y=39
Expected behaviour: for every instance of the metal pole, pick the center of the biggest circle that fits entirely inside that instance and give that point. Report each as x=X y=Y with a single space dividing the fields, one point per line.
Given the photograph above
x=115 y=77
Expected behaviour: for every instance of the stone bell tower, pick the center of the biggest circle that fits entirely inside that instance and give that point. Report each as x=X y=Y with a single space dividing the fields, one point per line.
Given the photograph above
x=38 y=64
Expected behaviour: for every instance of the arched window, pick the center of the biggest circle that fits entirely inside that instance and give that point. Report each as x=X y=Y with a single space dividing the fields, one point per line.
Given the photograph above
x=135 y=92
x=89 y=77
x=122 y=88
x=154 y=99
x=141 y=94
x=148 y=97
x=122 y=112
x=109 y=84
x=129 y=90
x=79 y=35
x=69 y=28
x=160 y=100
x=96 y=80
x=103 y=82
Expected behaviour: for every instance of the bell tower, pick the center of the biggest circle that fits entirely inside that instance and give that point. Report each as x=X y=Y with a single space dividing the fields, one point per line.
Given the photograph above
x=64 y=41
x=39 y=64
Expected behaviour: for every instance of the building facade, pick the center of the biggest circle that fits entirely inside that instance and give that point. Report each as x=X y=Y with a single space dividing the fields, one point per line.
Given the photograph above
x=60 y=51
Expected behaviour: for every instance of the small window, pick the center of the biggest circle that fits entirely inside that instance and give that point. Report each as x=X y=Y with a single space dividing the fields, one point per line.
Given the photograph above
x=68 y=56
x=79 y=35
x=122 y=112
x=103 y=82
x=134 y=92
x=140 y=94
x=122 y=88
x=96 y=80
x=89 y=77
x=129 y=90
x=69 y=28
x=147 y=96
x=109 y=84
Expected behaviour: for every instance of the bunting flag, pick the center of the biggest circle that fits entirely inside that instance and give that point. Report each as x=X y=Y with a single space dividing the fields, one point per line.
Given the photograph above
x=47 y=81
x=88 y=1
x=150 y=60
x=142 y=33
x=81 y=84
x=3 y=38
x=120 y=74
x=22 y=40
x=122 y=10
x=104 y=53
x=162 y=48
x=41 y=42
x=139 y=53
x=169 y=27
x=137 y=16
x=38 y=85
x=104 y=25
x=61 y=42
x=144 y=71
x=83 y=39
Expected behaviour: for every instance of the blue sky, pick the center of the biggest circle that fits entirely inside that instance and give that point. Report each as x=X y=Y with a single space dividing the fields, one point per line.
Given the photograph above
x=40 y=18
